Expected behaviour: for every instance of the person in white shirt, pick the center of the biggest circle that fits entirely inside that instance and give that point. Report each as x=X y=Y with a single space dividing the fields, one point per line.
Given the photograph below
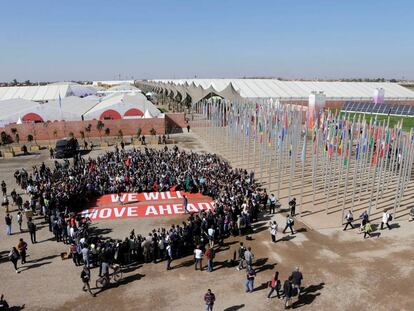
x=273 y=230
x=385 y=220
x=349 y=219
x=211 y=233
x=198 y=256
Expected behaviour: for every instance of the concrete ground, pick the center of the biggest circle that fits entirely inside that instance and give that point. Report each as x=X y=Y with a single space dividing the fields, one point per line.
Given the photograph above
x=342 y=271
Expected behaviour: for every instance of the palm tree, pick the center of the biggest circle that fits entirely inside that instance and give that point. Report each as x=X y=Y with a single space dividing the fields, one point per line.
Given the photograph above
x=88 y=129
x=99 y=126
x=139 y=131
x=14 y=132
x=120 y=135
x=107 y=132
x=46 y=125
x=4 y=139
x=82 y=135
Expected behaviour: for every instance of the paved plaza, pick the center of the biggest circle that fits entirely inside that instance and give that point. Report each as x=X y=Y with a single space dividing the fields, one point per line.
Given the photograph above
x=342 y=271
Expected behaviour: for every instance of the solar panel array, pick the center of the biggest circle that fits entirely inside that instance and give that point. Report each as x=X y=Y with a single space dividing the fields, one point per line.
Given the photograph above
x=370 y=107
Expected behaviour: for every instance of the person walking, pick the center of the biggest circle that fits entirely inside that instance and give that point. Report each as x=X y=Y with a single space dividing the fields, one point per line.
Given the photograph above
x=287 y=291
x=6 y=203
x=169 y=256
x=211 y=232
x=20 y=220
x=85 y=255
x=14 y=257
x=349 y=219
x=385 y=219
x=273 y=230
x=274 y=285
x=272 y=204
x=248 y=256
x=32 y=230
x=8 y=219
x=241 y=252
x=198 y=256
x=74 y=253
x=367 y=229
x=289 y=224
x=210 y=257
x=209 y=299
x=22 y=248
x=185 y=204
x=297 y=278
x=292 y=205
x=364 y=219
x=86 y=277
x=250 y=275
x=3 y=188
x=3 y=303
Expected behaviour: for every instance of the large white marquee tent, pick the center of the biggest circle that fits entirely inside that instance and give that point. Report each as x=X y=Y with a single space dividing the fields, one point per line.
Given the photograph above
x=123 y=106
x=197 y=89
x=46 y=92
x=73 y=108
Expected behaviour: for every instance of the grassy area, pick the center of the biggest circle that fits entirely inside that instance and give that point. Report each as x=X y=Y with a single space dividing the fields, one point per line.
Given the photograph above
x=408 y=122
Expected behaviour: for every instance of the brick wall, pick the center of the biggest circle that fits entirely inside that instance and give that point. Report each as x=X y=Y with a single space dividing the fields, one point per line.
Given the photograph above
x=63 y=128
x=176 y=121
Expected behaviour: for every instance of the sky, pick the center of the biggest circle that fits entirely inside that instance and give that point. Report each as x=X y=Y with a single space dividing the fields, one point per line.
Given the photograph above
x=104 y=40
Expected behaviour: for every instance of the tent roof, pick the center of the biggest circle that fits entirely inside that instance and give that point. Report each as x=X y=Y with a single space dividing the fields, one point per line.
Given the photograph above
x=46 y=92
x=272 y=88
x=122 y=103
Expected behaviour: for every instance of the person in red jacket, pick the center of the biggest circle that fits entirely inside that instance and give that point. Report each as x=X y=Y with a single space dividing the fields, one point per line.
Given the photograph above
x=274 y=285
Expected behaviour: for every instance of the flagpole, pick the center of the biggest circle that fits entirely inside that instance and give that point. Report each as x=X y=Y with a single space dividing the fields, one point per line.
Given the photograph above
x=397 y=195
x=303 y=169
x=375 y=174
x=348 y=164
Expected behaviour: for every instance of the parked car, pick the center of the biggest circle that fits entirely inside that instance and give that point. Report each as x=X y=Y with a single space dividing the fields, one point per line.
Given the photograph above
x=66 y=148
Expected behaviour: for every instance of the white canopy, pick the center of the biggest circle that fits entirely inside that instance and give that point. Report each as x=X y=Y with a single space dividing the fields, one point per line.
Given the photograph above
x=118 y=106
x=272 y=88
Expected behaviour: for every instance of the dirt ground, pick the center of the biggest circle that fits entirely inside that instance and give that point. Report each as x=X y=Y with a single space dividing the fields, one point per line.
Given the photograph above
x=342 y=271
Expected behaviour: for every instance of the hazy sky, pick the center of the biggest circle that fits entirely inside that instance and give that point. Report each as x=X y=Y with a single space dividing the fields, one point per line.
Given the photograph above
x=71 y=40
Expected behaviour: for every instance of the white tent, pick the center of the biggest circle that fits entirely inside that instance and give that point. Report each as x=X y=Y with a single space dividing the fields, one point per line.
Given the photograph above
x=147 y=115
x=272 y=88
x=46 y=92
x=122 y=106
x=22 y=110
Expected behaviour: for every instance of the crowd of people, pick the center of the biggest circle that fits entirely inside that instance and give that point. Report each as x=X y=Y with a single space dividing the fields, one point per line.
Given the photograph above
x=59 y=192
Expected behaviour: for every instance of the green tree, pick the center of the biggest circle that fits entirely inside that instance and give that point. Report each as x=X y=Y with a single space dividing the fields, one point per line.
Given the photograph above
x=46 y=126
x=30 y=138
x=15 y=134
x=88 y=129
x=120 y=135
x=4 y=139
x=99 y=126
x=139 y=131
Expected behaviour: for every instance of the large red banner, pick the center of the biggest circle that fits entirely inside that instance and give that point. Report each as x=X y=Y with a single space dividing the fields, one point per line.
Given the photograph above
x=144 y=210
x=132 y=197
x=149 y=204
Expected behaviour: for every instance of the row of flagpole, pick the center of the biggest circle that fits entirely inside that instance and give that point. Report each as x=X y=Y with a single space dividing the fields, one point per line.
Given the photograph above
x=346 y=151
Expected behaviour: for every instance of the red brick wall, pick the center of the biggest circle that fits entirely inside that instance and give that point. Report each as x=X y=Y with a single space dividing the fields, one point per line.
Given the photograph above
x=63 y=128
x=176 y=121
